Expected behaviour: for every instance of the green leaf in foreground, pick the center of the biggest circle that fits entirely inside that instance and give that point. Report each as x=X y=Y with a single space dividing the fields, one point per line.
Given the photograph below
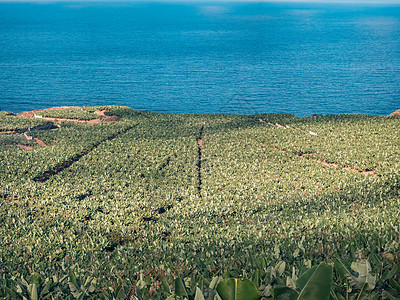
x=363 y=268
x=199 y=295
x=237 y=289
x=319 y=285
x=164 y=284
x=305 y=277
x=342 y=269
x=285 y=293
x=180 y=288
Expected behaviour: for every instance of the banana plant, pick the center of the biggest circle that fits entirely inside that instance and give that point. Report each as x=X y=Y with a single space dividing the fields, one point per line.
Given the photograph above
x=314 y=284
x=238 y=289
x=32 y=289
x=183 y=291
x=81 y=287
x=358 y=280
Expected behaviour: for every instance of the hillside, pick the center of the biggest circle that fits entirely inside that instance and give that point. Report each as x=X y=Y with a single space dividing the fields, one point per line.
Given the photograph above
x=124 y=202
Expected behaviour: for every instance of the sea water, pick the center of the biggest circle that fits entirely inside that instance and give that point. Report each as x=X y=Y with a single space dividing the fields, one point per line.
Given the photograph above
x=222 y=57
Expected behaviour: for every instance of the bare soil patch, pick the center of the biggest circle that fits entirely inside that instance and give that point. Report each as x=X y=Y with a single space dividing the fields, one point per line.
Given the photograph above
x=31 y=113
x=348 y=168
x=336 y=165
x=325 y=163
x=200 y=143
x=40 y=142
x=100 y=113
x=26 y=147
x=272 y=124
x=8 y=132
x=395 y=114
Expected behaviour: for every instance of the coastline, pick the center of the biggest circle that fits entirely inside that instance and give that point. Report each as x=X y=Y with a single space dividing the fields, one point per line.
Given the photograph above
x=33 y=113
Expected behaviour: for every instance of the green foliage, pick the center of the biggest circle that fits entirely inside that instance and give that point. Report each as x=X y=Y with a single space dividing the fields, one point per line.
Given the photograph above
x=10 y=122
x=237 y=289
x=33 y=288
x=81 y=287
x=318 y=284
x=13 y=139
x=69 y=113
x=130 y=217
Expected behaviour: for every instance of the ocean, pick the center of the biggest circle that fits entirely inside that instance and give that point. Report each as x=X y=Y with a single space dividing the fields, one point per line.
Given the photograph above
x=204 y=57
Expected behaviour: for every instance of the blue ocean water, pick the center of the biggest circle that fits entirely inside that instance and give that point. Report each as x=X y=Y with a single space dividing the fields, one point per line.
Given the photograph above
x=299 y=58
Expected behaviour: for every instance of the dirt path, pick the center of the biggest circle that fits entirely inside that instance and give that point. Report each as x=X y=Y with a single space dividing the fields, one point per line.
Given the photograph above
x=8 y=131
x=287 y=127
x=272 y=124
x=26 y=147
x=100 y=113
x=336 y=165
x=103 y=118
x=31 y=113
x=309 y=156
x=40 y=142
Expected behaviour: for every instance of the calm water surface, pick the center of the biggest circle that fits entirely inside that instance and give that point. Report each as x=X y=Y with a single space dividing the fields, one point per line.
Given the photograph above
x=202 y=58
